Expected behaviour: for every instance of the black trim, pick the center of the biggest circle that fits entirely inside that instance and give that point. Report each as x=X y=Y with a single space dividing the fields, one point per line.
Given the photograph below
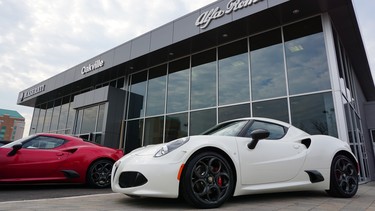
x=315 y=176
x=306 y=142
x=70 y=174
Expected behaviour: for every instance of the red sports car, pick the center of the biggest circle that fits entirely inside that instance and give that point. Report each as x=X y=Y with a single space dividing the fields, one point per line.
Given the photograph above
x=57 y=158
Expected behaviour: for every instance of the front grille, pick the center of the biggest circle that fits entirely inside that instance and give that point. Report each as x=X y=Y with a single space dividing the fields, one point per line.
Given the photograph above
x=131 y=179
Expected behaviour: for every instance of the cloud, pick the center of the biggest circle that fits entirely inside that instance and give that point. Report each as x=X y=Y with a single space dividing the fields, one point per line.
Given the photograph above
x=40 y=39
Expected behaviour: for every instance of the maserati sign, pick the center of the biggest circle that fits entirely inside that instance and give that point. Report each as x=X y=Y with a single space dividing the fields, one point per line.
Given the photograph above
x=32 y=91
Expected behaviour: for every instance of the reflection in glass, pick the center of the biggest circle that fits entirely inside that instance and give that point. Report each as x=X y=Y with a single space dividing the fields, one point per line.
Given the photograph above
x=64 y=114
x=201 y=121
x=233 y=73
x=47 y=119
x=178 y=86
x=267 y=66
x=89 y=119
x=203 y=80
x=42 y=115
x=314 y=114
x=275 y=109
x=137 y=95
x=156 y=91
x=34 y=121
x=55 y=115
x=99 y=127
x=133 y=135
x=176 y=126
x=71 y=116
x=78 y=122
x=306 y=57
x=153 y=131
x=234 y=112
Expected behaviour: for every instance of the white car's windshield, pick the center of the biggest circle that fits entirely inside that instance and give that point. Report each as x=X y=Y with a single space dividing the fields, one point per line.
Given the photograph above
x=227 y=129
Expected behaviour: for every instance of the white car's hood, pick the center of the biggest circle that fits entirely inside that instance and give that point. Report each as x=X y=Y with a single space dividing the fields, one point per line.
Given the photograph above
x=147 y=150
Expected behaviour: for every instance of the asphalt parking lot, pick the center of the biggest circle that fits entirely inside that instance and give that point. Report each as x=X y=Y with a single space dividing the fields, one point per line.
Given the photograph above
x=314 y=201
x=23 y=192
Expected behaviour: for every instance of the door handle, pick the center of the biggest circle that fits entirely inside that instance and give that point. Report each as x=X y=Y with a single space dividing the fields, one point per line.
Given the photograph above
x=60 y=154
x=296 y=146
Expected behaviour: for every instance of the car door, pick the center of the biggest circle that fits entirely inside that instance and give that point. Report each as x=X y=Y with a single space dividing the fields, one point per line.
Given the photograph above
x=38 y=159
x=272 y=160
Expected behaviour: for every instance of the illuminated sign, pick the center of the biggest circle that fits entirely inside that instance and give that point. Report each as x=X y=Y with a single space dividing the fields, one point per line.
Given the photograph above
x=91 y=67
x=233 y=5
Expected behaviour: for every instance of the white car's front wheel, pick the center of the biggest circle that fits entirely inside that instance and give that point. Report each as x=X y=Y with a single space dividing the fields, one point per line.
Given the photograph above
x=208 y=180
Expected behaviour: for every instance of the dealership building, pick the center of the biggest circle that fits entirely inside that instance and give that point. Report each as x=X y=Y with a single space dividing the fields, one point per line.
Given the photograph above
x=299 y=61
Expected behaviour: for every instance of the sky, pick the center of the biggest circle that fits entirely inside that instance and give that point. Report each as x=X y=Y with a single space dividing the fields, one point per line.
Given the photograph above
x=40 y=38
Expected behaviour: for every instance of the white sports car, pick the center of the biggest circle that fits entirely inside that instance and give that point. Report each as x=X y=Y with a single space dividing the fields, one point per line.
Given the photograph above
x=238 y=157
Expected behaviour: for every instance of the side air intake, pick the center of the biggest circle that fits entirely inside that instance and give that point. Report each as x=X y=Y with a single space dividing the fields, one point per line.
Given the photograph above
x=315 y=176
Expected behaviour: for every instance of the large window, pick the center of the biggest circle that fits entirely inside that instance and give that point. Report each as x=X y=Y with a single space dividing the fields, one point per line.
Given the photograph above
x=134 y=135
x=34 y=121
x=234 y=73
x=203 y=80
x=89 y=120
x=156 y=91
x=267 y=66
x=55 y=115
x=178 y=86
x=275 y=109
x=200 y=121
x=314 y=113
x=89 y=124
x=48 y=117
x=42 y=115
x=176 y=126
x=154 y=128
x=234 y=112
x=137 y=95
x=64 y=113
x=306 y=57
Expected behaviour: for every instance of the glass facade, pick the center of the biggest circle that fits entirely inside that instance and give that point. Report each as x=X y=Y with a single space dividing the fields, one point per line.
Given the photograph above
x=281 y=74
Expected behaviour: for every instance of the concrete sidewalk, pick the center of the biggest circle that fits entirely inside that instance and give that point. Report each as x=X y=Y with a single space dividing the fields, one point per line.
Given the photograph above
x=364 y=200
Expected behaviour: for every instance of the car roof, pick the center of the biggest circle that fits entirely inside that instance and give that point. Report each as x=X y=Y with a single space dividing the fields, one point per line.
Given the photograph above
x=62 y=136
x=262 y=119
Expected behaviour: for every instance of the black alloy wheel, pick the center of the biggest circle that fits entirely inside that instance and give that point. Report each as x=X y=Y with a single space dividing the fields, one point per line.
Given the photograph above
x=208 y=180
x=99 y=174
x=344 y=177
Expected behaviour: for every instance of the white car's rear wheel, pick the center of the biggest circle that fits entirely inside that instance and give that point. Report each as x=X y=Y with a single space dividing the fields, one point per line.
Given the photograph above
x=208 y=180
x=344 y=177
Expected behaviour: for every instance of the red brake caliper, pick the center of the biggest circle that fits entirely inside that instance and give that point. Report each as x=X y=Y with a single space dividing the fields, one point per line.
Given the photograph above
x=219 y=182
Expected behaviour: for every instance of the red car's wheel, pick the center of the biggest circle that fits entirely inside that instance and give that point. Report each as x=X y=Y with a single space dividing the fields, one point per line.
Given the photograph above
x=99 y=174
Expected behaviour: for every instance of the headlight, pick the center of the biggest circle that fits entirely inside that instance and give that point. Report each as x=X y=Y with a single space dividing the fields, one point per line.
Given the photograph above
x=117 y=163
x=169 y=147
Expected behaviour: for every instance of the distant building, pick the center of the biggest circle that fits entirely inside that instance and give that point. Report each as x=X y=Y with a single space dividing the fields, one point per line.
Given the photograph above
x=12 y=125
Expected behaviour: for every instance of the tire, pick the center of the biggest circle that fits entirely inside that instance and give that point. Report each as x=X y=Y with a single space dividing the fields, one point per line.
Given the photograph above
x=99 y=174
x=344 y=177
x=207 y=181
